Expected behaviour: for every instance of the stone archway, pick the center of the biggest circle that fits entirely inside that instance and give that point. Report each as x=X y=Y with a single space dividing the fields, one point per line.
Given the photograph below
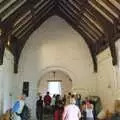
x=62 y=74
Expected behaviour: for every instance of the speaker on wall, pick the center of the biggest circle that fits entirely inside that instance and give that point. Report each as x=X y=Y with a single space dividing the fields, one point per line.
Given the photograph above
x=26 y=88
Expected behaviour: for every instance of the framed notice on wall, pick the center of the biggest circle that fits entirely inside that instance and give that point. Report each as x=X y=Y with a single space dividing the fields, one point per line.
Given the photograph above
x=25 y=90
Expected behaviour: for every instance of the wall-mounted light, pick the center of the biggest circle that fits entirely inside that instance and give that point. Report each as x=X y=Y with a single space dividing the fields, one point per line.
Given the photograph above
x=9 y=39
x=8 y=43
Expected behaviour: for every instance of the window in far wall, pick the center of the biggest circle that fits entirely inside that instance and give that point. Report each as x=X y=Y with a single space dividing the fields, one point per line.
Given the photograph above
x=54 y=87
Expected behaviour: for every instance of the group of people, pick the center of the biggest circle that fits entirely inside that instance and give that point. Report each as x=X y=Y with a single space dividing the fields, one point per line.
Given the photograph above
x=68 y=107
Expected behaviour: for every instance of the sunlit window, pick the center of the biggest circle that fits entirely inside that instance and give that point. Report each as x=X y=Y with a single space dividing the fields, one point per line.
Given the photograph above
x=54 y=87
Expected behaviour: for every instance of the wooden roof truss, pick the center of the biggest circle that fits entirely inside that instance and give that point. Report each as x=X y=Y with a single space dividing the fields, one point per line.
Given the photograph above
x=98 y=21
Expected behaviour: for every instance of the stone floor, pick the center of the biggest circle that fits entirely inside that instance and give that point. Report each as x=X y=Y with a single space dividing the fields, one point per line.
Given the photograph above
x=48 y=117
x=48 y=114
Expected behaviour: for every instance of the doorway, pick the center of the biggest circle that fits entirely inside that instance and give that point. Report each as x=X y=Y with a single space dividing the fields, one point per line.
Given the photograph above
x=55 y=82
x=54 y=87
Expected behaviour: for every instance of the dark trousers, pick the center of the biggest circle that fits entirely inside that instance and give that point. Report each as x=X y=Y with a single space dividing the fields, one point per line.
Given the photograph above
x=39 y=114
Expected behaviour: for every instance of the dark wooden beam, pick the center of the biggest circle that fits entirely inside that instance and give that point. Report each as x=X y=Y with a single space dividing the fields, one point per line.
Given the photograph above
x=104 y=10
x=116 y=37
x=15 y=49
x=39 y=21
x=73 y=18
x=80 y=2
x=94 y=26
x=70 y=5
x=45 y=8
x=31 y=3
x=19 y=12
x=112 y=48
x=39 y=16
x=118 y=1
x=82 y=20
x=114 y=19
x=2 y=49
x=73 y=8
x=16 y=63
x=3 y=41
x=108 y=29
x=79 y=20
x=17 y=46
x=99 y=18
x=113 y=8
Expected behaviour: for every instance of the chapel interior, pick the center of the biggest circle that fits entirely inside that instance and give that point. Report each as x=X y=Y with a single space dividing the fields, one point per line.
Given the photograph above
x=59 y=46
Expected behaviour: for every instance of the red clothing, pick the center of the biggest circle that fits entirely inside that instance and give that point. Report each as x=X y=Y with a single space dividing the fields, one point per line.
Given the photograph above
x=47 y=100
x=58 y=114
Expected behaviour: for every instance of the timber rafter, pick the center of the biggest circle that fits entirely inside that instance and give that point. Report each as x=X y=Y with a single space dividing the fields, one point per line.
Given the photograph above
x=98 y=21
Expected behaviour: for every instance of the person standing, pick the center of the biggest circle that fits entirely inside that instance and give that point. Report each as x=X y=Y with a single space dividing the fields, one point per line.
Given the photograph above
x=47 y=99
x=53 y=102
x=68 y=98
x=58 y=111
x=71 y=112
x=18 y=107
x=39 y=108
x=47 y=102
x=90 y=114
x=64 y=100
x=78 y=100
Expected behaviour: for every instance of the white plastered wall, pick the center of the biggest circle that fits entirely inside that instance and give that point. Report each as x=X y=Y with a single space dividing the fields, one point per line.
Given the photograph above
x=108 y=76
x=7 y=82
x=55 y=45
x=105 y=79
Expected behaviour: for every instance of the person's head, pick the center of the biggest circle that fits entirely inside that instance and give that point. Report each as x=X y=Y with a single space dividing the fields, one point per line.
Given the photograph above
x=89 y=105
x=59 y=104
x=83 y=102
x=48 y=93
x=40 y=97
x=22 y=97
x=69 y=93
x=54 y=96
x=87 y=98
x=72 y=96
x=72 y=101
x=64 y=96
x=79 y=96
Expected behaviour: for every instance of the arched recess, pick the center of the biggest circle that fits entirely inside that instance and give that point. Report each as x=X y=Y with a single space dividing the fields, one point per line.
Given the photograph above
x=56 y=68
x=56 y=82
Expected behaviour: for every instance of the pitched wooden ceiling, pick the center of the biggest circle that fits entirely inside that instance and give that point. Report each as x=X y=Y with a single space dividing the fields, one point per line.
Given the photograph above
x=98 y=21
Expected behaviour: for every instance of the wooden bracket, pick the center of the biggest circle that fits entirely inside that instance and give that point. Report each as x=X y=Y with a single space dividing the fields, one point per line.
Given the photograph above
x=2 y=50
